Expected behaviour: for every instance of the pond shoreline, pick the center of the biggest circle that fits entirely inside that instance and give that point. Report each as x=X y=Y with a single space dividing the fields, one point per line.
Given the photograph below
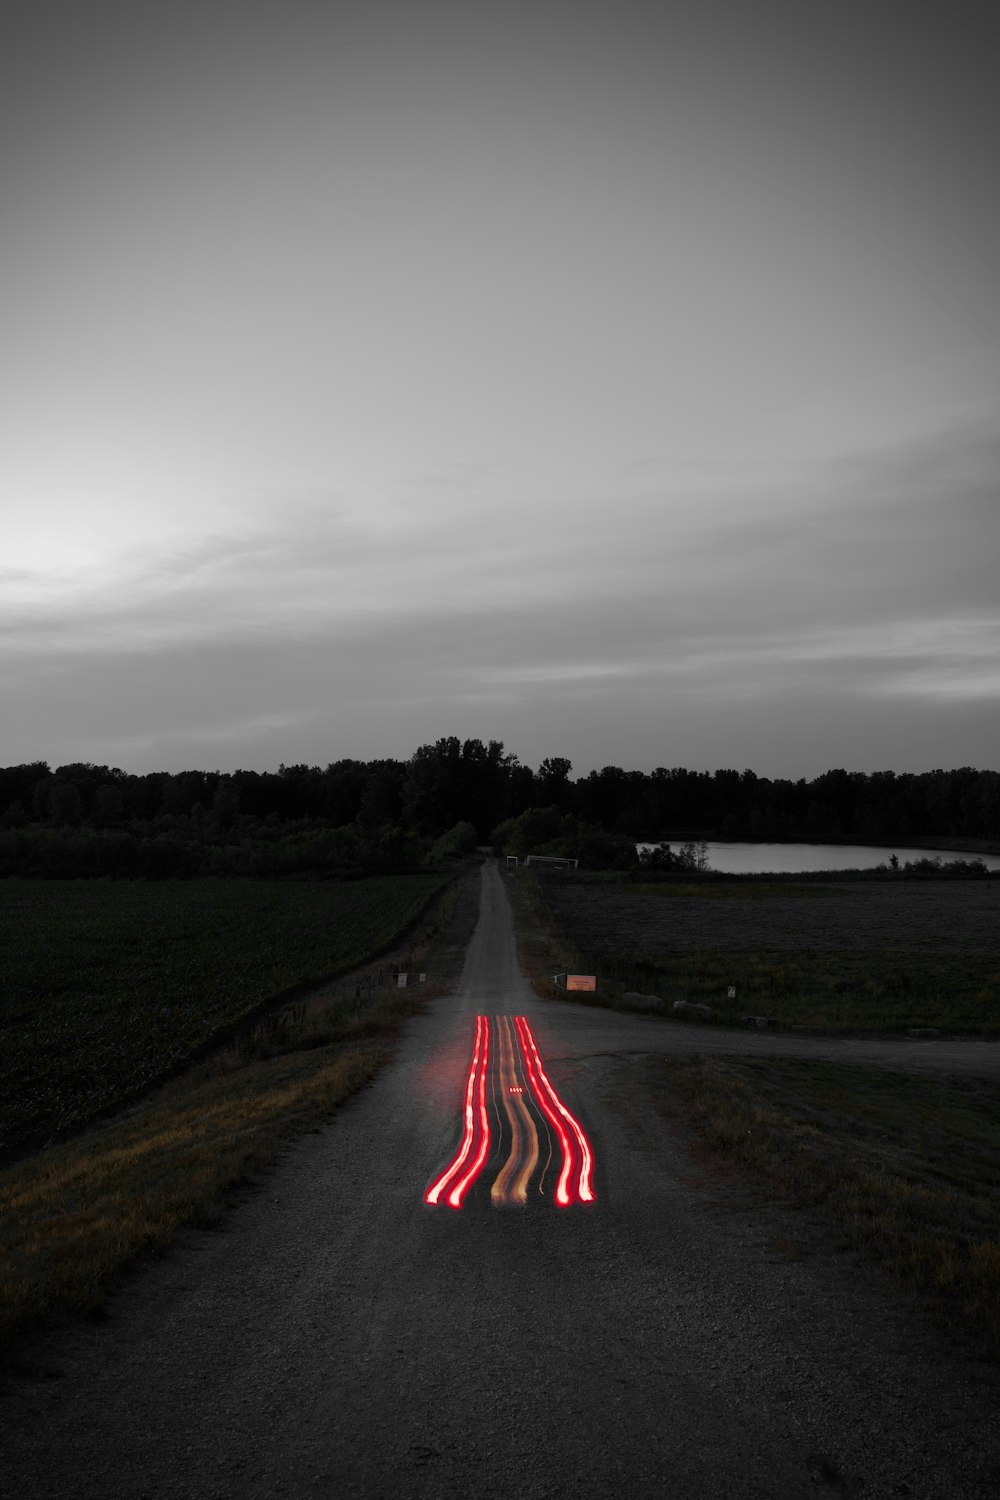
x=940 y=843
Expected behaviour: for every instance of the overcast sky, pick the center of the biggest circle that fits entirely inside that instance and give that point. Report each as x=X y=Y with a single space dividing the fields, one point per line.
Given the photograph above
x=616 y=380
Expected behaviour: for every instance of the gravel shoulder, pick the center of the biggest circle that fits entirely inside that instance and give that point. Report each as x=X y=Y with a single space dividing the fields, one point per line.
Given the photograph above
x=335 y=1337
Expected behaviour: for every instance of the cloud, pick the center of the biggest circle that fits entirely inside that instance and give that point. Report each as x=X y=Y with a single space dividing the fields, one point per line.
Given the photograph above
x=863 y=587
x=778 y=705
x=869 y=536
x=945 y=657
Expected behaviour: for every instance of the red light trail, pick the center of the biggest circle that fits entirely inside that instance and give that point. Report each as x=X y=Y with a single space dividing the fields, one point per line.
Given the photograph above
x=529 y=1101
x=584 y=1190
x=477 y=1072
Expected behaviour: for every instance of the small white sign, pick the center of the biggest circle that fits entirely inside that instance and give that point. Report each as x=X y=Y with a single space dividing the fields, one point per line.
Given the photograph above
x=732 y=992
x=401 y=981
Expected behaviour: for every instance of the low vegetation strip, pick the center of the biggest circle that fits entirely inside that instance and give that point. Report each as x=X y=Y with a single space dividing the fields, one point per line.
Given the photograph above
x=734 y=888
x=108 y=986
x=72 y=1218
x=832 y=991
x=906 y=1170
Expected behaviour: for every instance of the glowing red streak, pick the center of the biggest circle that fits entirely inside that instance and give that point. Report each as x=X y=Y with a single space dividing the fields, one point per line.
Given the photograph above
x=455 y=1196
x=434 y=1192
x=534 y=1064
x=562 y=1188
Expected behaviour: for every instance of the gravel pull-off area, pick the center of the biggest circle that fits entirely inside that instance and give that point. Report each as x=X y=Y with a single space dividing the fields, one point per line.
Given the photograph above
x=678 y=1338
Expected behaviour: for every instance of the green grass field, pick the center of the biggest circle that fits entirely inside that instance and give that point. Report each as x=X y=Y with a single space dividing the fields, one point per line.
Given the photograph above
x=109 y=985
x=840 y=958
x=747 y=890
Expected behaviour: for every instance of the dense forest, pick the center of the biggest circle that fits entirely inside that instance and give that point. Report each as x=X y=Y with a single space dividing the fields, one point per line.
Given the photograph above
x=350 y=816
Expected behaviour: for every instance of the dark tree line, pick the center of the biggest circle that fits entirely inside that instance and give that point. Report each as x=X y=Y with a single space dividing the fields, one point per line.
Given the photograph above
x=850 y=805
x=353 y=815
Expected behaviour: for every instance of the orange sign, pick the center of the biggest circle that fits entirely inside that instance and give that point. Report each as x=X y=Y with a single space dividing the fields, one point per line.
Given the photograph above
x=581 y=982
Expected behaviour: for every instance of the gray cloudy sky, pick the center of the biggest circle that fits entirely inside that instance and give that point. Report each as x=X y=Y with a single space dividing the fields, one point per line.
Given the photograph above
x=617 y=380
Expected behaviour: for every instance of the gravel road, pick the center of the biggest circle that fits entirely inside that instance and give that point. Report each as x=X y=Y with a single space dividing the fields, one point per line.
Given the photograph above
x=339 y=1338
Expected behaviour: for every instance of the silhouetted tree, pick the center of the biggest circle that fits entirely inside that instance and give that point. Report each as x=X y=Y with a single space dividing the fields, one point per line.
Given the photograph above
x=552 y=783
x=65 y=803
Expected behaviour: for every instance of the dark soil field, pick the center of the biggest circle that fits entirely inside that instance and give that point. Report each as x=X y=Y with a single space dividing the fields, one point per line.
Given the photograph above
x=106 y=987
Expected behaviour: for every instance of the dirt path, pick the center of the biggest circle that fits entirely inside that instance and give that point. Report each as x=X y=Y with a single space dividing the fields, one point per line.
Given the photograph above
x=339 y=1338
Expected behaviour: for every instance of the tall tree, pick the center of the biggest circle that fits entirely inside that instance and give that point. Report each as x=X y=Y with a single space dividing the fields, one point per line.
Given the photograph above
x=552 y=783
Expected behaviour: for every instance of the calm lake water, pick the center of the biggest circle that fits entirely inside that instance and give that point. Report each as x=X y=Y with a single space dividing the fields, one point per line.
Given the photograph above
x=748 y=859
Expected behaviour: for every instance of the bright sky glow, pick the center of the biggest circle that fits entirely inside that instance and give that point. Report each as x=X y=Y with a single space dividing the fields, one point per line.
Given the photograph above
x=618 y=381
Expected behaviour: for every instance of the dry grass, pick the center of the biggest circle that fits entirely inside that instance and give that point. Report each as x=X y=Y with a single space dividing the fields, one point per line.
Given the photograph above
x=905 y=1170
x=75 y=1216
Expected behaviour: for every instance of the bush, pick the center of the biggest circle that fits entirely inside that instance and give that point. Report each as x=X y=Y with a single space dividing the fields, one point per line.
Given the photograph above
x=459 y=842
x=546 y=830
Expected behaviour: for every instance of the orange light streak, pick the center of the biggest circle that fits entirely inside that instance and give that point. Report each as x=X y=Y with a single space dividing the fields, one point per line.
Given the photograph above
x=531 y=1159
x=477 y=1073
x=500 y=1192
x=534 y=1064
x=523 y=1156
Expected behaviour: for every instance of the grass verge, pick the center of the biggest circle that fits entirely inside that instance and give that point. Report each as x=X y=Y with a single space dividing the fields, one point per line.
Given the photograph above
x=76 y=1216
x=541 y=949
x=905 y=1170
x=835 y=990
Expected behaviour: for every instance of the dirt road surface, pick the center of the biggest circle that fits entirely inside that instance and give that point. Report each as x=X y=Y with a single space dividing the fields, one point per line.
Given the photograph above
x=338 y=1337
